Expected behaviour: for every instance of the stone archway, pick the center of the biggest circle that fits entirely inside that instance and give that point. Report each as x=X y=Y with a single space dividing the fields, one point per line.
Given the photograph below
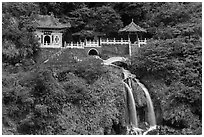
x=47 y=39
x=93 y=52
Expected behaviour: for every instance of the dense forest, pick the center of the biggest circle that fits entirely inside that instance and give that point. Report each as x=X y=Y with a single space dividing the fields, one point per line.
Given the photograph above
x=86 y=97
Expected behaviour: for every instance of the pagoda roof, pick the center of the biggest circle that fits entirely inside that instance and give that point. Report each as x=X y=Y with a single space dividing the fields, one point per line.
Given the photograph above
x=50 y=22
x=132 y=27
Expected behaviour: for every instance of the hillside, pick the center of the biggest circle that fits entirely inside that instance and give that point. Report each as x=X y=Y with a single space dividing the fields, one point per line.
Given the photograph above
x=64 y=91
x=86 y=99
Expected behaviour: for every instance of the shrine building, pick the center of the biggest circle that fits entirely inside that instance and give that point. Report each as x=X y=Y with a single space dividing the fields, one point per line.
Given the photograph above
x=49 y=31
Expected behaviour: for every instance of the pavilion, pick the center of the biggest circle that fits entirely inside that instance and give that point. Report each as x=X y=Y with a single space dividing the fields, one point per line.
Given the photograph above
x=49 y=31
x=132 y=28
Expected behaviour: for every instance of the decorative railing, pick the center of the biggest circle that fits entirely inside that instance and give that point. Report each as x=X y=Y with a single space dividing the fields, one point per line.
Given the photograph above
x=92 y=43
x=114 y=41
x=98 y=43
x=78 y=45
x=50 y=45
x=142 y=42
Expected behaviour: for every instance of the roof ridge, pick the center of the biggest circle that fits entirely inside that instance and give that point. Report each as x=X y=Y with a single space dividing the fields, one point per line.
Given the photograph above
x=136 y=27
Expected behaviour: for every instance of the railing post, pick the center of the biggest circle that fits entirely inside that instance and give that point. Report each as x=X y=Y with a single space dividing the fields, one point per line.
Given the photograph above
x=83 y=45
x=99 y=44
x=138 y=42
x=113 y=40
x=65 y=44
x=77 y=44
x=84 y=42
x=130 y=50
x=71 y=46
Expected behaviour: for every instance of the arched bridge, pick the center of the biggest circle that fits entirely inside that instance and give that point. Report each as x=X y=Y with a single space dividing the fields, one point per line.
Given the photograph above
x=115 y=59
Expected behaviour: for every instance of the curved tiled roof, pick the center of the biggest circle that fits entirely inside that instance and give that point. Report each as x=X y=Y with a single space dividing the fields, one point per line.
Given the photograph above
x=132 y=27
x=49 y=21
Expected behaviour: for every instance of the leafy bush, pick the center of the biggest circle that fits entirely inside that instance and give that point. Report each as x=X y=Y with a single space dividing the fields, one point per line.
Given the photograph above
x=89 y=69
x=18 y=40
x=34 y=102
x=178 y=65
x=40 y=104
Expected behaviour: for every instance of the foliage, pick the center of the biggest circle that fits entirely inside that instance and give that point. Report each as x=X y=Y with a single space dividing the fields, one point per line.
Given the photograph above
x=66 y=96
x=18 y=41
x=178 y=65
x=107 y=20
x=101 y=19
x=174 y=19
x=33 y=102
x=89 y=69
x=41 y=102
x=175 y=59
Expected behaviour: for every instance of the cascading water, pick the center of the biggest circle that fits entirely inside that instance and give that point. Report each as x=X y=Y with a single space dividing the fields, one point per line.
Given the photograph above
x=150 y=108
x=132 y=127
x=131 y=110
x=132 y=113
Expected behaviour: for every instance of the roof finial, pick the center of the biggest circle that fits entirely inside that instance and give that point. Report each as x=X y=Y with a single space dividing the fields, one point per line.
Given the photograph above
x=132 y=19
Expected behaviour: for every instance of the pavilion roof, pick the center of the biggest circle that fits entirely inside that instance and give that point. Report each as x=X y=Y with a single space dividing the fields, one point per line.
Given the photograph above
x=49 y=21
x=132 y=27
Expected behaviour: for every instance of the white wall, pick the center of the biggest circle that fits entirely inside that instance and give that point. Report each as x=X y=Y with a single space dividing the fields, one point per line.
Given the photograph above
x=53 y=42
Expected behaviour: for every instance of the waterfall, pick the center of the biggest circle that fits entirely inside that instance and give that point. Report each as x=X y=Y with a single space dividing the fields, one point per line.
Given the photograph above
x=150 y=108
x=132 y=127
x=132 y=113
x=151 y=114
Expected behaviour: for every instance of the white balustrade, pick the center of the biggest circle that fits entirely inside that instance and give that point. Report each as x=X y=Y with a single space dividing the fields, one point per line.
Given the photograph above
x=89 y=43
x=114 y=41
x=140 y=42
x=78 y=45
x=143 y=41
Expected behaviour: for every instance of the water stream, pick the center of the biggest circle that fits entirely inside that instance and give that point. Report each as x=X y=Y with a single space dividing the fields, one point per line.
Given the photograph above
x=150 y=108
x=132 y=113
x=132 y=122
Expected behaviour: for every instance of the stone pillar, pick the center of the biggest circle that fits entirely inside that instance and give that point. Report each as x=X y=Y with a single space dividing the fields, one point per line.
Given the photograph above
x=51 y=43
x=130 y=49
x=43 y=39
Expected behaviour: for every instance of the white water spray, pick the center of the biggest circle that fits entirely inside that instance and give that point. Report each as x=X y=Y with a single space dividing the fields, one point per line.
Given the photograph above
x=150 y=108
x=132 y=113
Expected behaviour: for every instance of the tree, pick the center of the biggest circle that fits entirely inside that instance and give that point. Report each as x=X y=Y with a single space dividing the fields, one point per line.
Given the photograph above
x=100 y=19
x=18 y=40
x=107 y=20
x=176 y=64
x=174 y=19
x=131 y=10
